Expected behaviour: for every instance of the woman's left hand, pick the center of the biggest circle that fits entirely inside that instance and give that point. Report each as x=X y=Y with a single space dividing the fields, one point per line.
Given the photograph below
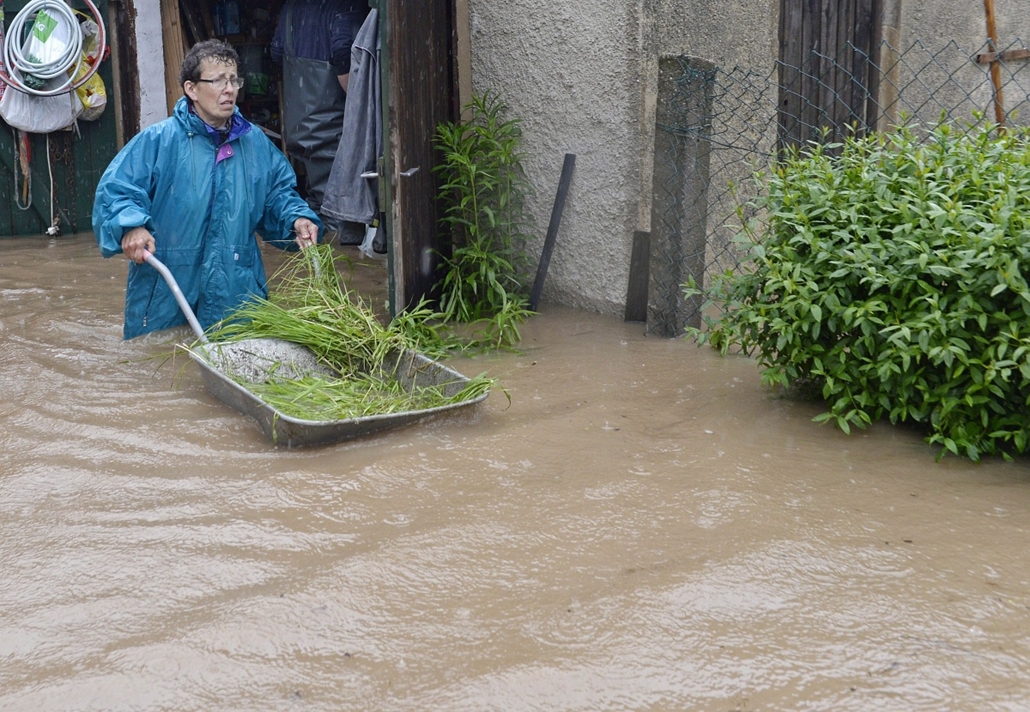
x=306 y=231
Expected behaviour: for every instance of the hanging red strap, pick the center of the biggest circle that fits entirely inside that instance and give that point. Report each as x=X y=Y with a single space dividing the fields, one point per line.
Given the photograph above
x=23 y=147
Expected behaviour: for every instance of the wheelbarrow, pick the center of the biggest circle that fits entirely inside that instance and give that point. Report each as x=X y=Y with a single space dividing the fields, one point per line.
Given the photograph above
x=226 y=368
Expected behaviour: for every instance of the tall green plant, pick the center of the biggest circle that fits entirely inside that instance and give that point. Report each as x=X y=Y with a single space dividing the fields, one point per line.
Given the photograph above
x=890 y=277
x=483 y=193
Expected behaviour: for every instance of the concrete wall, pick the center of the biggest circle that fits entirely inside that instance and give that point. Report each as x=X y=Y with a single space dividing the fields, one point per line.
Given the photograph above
x=939 y=21
x=730 y=33
x=951 y=33
x=583 y=78
x=571 y=71
x=150 y=53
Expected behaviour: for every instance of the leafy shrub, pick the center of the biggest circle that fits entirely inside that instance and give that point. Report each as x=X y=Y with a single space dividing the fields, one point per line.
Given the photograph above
x=889 y=277
x=483 y=191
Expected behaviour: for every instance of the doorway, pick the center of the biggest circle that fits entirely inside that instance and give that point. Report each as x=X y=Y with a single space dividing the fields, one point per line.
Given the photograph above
x=420 y=79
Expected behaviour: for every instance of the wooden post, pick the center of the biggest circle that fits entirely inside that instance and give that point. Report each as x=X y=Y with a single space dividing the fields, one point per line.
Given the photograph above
x=463 y=53
x=992 y=35
x=639 y=267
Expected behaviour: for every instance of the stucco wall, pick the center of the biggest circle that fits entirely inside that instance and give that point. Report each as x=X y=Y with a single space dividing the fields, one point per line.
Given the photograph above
x=940 y=21
x=572 y=73
x=150 y=53
x=583 y=78
x=730 y=33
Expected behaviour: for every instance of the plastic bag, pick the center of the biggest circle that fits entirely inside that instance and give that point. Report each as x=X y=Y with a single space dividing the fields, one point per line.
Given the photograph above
x=38 y=114
x=374 y=244
x=92 y=94
x=46 y=44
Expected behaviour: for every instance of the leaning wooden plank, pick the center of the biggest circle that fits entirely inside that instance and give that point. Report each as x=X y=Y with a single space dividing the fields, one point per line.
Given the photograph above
x=552 y=229
x=175 y=41
x=201 y=11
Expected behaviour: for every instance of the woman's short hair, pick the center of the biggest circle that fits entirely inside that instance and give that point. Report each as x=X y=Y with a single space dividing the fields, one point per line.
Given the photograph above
x=216 y=50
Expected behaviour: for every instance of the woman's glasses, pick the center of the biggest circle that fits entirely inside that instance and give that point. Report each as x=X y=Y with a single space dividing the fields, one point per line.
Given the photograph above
x=222 y=82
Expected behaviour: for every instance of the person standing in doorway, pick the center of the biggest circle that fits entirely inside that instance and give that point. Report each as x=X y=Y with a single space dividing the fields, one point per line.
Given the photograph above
x=193 y=190
x=312 y=41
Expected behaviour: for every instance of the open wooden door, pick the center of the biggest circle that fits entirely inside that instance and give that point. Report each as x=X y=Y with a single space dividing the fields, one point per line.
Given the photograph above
x=418 y=94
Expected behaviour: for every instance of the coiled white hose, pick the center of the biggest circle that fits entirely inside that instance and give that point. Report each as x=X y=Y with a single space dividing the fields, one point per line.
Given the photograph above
x=69 y=59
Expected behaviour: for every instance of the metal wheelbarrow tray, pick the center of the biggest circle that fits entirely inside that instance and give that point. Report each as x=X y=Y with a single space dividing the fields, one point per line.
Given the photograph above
x=224 y=365
x=227 y=367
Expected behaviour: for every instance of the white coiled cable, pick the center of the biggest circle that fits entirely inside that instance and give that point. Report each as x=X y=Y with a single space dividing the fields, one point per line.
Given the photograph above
x=69 y=59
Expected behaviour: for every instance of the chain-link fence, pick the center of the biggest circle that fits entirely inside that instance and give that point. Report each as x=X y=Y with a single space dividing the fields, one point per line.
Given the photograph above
x=717 y=128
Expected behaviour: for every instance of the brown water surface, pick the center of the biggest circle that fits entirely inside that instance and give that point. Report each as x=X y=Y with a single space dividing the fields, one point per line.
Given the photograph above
x=644 y=527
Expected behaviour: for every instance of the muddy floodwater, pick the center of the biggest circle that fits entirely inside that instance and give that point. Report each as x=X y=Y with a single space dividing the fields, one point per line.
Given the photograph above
x=642 y=528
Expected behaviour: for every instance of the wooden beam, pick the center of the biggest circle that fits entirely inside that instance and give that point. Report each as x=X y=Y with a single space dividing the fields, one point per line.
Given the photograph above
x=992 y=34
x=552 y=229
x=1006 y=56
x=197 y=33
x=463 y=41
x=639 y=277
x=205 y=16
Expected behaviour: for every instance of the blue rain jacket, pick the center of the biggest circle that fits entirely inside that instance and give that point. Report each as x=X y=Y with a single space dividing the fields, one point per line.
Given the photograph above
x=202 y=203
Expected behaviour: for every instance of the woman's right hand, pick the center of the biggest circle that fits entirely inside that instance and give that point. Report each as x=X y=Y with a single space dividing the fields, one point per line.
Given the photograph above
x=136 y=243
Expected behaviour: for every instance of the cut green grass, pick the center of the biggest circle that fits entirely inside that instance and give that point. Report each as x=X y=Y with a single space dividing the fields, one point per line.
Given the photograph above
x=311 y=307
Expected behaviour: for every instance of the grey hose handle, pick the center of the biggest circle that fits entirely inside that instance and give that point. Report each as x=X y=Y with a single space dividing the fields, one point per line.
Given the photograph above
x=177 y=293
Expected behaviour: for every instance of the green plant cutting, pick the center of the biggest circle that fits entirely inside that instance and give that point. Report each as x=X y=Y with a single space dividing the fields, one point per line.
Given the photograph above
x=886 y=273
x=483 y=191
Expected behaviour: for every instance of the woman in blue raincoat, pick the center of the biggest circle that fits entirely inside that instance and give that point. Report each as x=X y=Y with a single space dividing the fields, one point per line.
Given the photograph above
x=193 y=190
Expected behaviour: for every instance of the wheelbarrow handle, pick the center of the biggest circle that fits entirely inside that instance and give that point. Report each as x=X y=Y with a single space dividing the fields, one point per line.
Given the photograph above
x=177 y=293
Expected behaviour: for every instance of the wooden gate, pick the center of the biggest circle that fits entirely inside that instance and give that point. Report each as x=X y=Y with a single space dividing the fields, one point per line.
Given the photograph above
x=71 y=164
x=418 y=88
x=829 y=54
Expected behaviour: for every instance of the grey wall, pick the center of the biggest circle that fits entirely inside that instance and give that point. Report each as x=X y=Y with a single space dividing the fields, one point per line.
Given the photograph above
x=938 y=21
x=571 y=72
x=582 y=76
x=150 y=55
x=583 y=79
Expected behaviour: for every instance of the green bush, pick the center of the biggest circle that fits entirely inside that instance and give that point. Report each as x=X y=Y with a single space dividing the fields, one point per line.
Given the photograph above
x=886 y=273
